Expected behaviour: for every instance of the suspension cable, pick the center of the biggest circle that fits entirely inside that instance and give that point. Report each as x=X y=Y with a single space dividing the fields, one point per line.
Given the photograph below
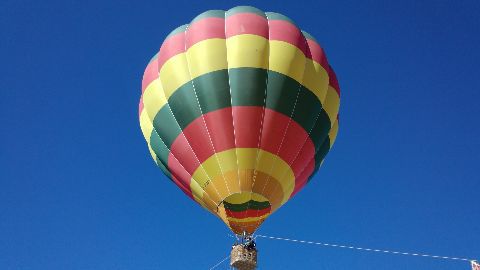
x=366 y=249
x=219 y=263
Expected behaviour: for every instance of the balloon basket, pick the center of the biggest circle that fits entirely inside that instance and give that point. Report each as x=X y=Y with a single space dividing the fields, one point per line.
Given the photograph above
x=243 y=257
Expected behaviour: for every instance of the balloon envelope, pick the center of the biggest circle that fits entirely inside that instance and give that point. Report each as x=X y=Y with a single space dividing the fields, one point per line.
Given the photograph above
x=239 y=109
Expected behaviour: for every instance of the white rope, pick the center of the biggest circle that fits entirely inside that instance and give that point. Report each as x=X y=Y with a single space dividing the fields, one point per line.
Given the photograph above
x=219 y=263
x=367 y=249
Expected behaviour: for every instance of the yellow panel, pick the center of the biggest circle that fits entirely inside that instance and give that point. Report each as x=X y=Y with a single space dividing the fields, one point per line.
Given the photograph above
x=213 y=193
x=239 y=198
x=200 y=201
x=152 y=153
x=332 y=104
x=206 y=203
x=222 y=215
x=210 y=173
x=203 y=186
x=247 y=51
x=316 y=79
x=207 y=56
x=201 y=178
x=222 y=185
x=154 y=98
x=228 y=182
x=258 y=197
x=228 y=160
x=211 y=166
x=210 y=202
x=146 y=125
x=333 y=133
x=196 y=189
x=203 y=198
x=277 y=168
x=174 y=73
x=248 y=219
x=246 y=157
x=287 y=59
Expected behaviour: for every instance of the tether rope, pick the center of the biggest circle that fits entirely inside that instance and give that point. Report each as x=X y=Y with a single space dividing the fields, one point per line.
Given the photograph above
x=366 y=249
x=219 y=263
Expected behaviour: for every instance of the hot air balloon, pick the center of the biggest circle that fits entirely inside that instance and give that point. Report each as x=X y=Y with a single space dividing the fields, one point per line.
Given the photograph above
x=239 y=109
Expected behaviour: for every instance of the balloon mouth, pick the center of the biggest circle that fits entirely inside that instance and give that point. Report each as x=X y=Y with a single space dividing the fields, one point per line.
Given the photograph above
x=244 y=212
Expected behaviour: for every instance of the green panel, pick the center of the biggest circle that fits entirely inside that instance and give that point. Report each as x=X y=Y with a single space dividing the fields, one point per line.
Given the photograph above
x=308 y=36
x=312 y=175
x=281 y=92
x=308 y=107
x=163 y=168
x=166 y=126
x=244 y=9
x=159 y=147
x=213 y=91
x=248 y=86
x=184 y=105
x=210 y=14
x=153 y=58
x=320 y=154
x=278 y=16
x=247 y=205
x=320 y=131
x=177 y=30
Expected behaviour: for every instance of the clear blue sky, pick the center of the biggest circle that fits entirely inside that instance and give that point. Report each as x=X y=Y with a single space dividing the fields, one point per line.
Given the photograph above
x=79 y=191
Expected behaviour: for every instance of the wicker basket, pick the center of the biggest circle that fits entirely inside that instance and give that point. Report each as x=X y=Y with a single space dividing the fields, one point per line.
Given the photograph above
x=243 y=258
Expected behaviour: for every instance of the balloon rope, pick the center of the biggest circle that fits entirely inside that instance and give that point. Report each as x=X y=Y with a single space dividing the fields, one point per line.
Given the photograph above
x=366 y=249
x=219 y=263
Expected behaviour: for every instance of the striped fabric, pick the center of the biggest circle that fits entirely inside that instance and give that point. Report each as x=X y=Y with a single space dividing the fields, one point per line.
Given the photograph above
x=239 y=109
